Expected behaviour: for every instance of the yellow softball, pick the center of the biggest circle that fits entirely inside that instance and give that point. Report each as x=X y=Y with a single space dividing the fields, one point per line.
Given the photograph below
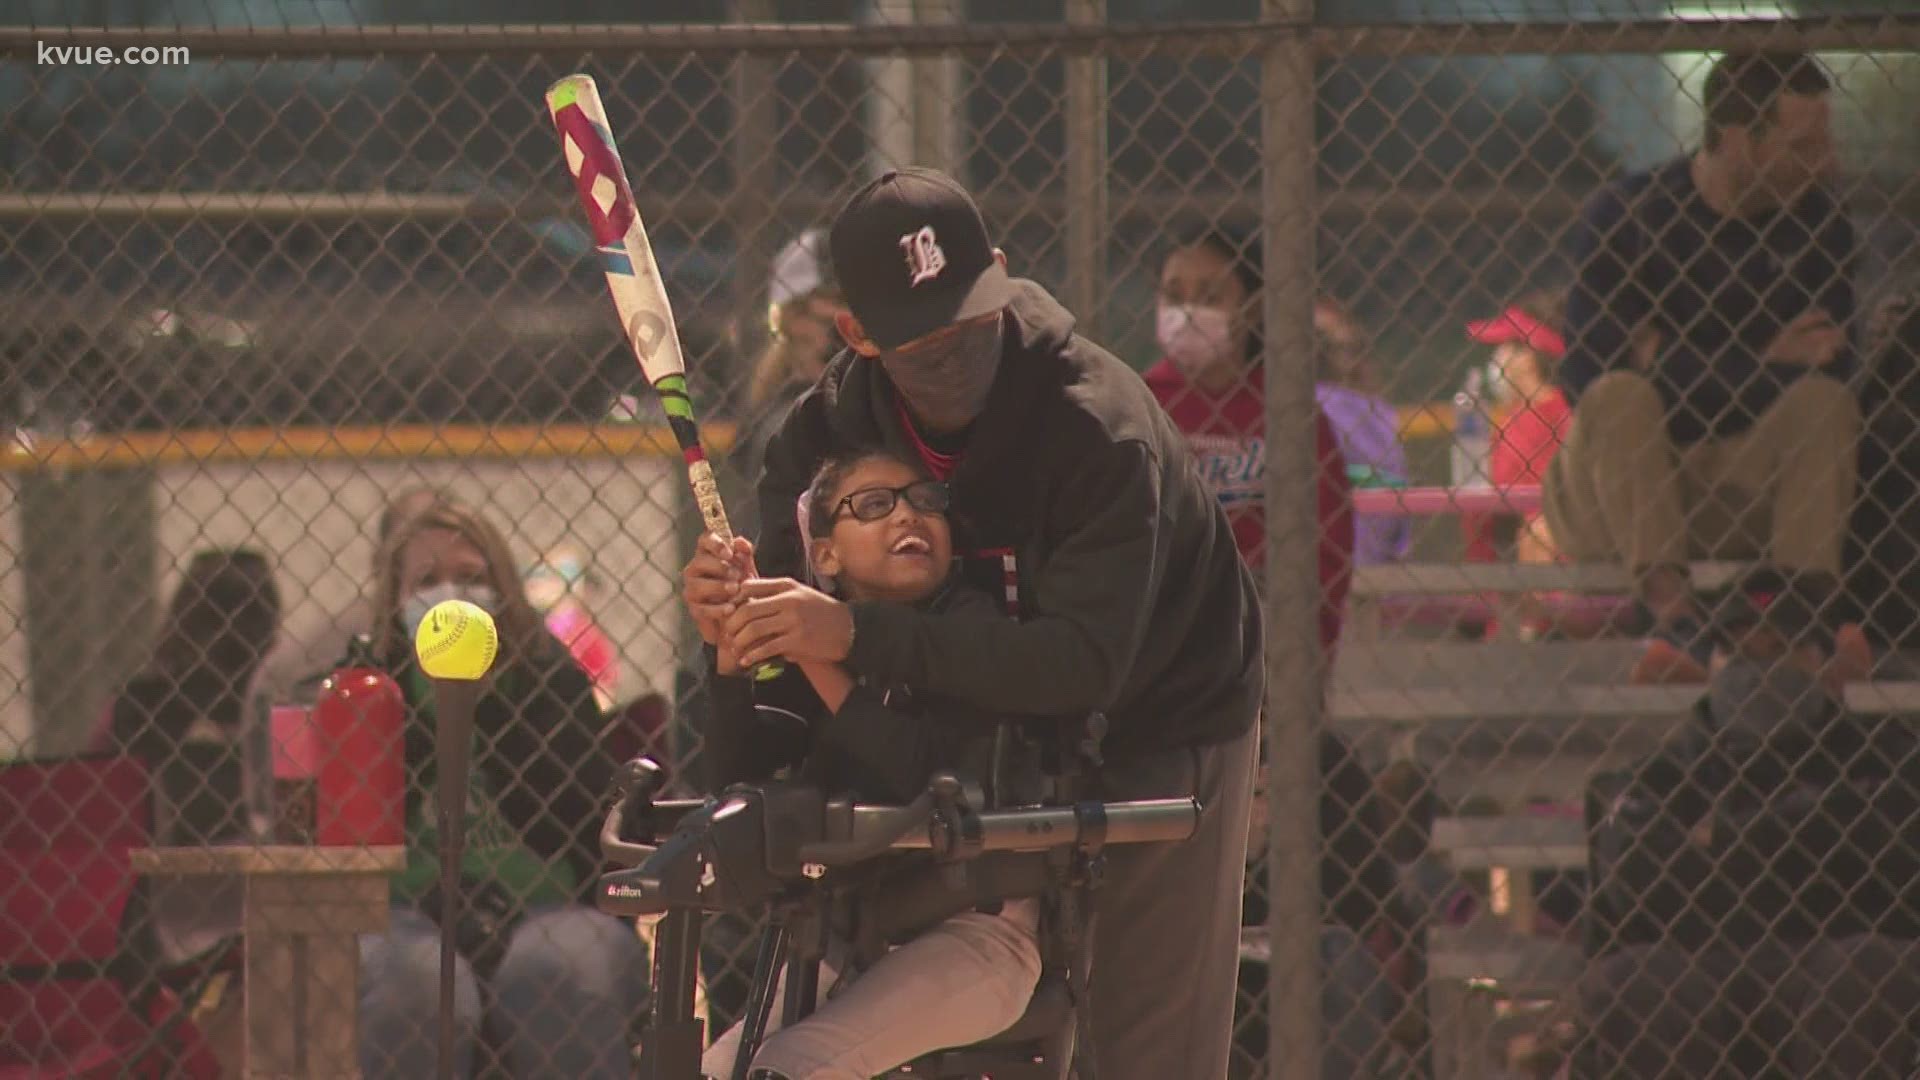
x=457 y=640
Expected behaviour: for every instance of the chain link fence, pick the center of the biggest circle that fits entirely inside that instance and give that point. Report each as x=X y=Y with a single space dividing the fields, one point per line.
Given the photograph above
x=1612 y=761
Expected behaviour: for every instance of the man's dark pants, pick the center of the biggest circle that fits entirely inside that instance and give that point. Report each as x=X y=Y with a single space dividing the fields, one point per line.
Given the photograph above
x=1167 y=936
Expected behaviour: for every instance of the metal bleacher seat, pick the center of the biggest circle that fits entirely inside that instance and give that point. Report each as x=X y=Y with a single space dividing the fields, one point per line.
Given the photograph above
x=1469 y=593
x=1513 y=722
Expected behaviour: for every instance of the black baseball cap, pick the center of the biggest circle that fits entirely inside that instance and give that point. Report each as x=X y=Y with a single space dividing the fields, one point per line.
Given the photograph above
x=912 y=255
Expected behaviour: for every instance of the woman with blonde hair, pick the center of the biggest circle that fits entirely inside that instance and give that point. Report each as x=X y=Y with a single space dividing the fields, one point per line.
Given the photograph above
x=563 y=977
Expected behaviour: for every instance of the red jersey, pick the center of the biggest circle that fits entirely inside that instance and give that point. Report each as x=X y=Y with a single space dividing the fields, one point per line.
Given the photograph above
x=1227 y=433
x=1528 y=439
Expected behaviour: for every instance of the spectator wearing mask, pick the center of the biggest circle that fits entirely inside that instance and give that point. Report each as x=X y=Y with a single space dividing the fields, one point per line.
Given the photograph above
x=1527 y=347
x=1731 y=269
x=1532 y=422
x=1212 y=382
x=564 y=979
x=307 y=650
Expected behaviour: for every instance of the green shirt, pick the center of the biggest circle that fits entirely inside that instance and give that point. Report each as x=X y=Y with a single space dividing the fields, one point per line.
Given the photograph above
x=493 y=851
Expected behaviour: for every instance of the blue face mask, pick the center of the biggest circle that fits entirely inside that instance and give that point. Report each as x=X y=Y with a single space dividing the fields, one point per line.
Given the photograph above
x=414 y=610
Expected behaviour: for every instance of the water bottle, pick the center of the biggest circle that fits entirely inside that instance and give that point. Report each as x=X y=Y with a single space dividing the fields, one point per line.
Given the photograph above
x=1472 y=443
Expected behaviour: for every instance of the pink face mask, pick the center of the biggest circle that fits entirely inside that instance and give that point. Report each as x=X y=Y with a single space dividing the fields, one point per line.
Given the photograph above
x=1196 y=339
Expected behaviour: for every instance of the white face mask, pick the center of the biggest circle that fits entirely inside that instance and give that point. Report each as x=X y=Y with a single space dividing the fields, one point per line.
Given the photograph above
x=1194 y=338
x=414 y=611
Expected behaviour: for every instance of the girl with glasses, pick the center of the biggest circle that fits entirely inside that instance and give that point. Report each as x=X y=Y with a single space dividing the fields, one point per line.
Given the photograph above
x=877 y=529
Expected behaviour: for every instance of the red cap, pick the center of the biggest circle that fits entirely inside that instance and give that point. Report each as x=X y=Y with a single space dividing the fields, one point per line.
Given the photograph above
x=1517 y=327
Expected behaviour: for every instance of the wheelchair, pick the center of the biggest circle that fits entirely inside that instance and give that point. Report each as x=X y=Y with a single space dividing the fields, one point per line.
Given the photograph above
x=792 y=851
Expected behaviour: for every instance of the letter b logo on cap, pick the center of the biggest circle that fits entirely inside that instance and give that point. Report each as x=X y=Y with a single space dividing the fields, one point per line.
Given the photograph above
x=925 y=260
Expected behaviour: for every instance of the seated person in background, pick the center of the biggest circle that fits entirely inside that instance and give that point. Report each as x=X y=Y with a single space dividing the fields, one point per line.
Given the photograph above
x=1731 y=266
x=1366 y=425
x=876 y=529
x=1531 y=425
x=1775 y=617
x=1753 y=884
x=563 y=977
x=191 y=712
x=194 y=714
x=308 y=648
x=1884 y=537
x=1526 y=348
x=1212 y=383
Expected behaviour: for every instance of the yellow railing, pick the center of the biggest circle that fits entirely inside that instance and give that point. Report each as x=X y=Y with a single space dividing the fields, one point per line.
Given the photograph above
x=423 y=441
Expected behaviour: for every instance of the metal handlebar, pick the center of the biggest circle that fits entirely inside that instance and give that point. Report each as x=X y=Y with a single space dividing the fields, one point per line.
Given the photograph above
x=1138 y=821
x=935 y=821
x=634 y=787
x=881 y=828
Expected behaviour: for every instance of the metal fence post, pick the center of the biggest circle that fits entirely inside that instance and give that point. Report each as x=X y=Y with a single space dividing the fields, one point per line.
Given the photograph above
x=1293 y=646
x=1086 y=173
x=754 y=157
x=914 y=108
x=89 y=606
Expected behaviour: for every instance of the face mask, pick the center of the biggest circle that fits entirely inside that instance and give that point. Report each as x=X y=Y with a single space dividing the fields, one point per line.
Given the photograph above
x=946 y=383
x=1194 y=338
x=414 y=611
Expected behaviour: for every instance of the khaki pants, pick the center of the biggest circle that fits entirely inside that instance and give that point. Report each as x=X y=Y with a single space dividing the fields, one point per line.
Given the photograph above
x=966 y=980
x=1619 y=489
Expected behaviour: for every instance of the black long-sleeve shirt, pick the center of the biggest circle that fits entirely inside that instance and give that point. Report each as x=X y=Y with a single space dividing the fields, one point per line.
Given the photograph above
x=1651 y=253
x=1134 y=599
x=882 y=744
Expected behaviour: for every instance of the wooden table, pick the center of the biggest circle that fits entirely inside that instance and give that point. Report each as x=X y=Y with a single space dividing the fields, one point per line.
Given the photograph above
x=303 y=913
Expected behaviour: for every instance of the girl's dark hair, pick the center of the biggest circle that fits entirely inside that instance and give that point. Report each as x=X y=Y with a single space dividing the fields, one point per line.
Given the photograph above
x=1241 y=253
x=832 y=473
x=223 y=616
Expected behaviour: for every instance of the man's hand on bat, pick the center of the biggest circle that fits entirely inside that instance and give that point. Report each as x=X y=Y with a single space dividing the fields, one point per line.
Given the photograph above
x=780 y=617
x=710 y=584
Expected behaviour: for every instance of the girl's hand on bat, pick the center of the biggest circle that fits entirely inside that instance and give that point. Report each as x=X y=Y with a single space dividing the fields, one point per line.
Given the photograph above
x=710 y=584
x=779 y=617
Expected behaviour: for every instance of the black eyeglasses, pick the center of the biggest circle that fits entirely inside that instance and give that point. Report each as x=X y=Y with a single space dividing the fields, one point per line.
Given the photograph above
x=872 y=504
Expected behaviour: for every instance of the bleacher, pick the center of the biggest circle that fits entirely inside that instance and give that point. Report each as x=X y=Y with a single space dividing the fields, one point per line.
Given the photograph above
x=1516 y=723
